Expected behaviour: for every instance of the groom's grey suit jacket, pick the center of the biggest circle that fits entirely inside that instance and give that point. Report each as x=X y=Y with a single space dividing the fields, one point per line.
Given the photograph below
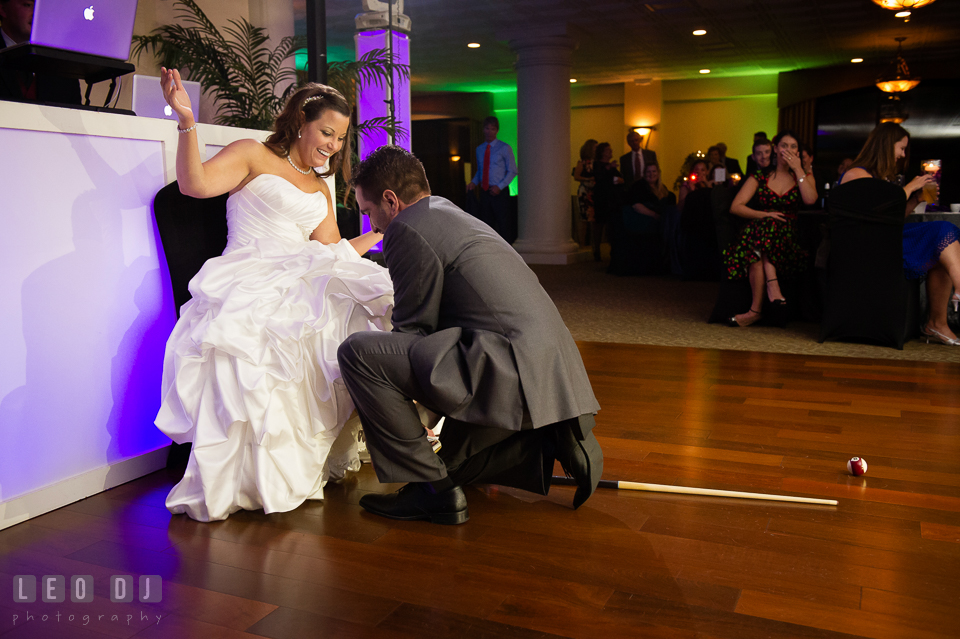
x=493 y=339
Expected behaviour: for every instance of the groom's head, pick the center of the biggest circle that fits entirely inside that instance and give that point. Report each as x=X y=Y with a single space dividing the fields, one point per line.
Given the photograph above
x=389 y=180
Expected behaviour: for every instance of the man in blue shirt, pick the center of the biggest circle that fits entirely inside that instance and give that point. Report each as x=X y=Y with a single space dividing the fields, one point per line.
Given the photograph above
x=495 y=171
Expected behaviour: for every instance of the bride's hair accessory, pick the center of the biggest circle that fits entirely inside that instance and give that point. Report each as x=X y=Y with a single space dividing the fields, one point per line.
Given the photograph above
x=311 y=99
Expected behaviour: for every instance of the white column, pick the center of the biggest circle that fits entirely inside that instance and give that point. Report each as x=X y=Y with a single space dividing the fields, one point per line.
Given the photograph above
x=543 y=141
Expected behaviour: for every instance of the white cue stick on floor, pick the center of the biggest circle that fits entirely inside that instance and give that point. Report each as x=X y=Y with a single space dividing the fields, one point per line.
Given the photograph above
x=709 y=492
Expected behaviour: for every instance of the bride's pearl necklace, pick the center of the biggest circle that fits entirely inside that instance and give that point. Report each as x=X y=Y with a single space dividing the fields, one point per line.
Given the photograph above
x=298 y=169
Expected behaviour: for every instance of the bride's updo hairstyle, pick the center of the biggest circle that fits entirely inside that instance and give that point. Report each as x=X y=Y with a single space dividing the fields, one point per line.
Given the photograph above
x=306 y=105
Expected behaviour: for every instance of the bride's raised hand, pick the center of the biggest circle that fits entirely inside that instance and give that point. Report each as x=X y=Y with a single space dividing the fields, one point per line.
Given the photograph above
x=176 y=96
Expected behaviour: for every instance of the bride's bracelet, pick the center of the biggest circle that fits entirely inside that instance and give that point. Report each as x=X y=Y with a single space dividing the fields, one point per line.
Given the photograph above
x=188 y=130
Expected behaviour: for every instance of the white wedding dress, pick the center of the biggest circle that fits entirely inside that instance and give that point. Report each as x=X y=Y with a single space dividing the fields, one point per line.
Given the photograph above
x=250 y=373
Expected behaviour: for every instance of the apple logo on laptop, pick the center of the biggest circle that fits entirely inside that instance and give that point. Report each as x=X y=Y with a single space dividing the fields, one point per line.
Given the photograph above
x=88 y=13
x=167 y=111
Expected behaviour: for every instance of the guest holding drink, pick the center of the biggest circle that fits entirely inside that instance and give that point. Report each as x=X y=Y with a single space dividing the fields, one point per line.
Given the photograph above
x=930 y=249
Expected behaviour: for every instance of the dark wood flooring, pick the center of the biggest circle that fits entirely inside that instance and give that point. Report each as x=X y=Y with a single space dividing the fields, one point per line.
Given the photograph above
x=884 y=563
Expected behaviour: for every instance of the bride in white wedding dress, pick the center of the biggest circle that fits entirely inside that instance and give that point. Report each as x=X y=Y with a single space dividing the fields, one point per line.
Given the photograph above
x=250 y=374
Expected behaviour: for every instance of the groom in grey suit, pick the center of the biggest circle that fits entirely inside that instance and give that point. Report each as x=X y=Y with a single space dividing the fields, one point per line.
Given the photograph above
x=476 y=339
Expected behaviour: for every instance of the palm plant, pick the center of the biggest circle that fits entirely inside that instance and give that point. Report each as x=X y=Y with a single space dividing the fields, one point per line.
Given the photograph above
x=249 y=80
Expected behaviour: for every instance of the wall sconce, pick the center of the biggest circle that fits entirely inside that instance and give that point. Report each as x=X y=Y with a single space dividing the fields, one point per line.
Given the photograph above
x=644 y=132
x=454 y=158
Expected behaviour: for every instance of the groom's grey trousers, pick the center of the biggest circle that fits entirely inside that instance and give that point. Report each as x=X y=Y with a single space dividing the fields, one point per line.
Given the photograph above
x=377 y=370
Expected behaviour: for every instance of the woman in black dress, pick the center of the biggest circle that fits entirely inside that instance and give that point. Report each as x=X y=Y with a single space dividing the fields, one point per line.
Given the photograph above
x=607 y=193
x=930 y=249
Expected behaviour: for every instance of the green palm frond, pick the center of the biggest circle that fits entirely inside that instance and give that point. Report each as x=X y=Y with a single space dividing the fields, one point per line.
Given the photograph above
x=388 y=124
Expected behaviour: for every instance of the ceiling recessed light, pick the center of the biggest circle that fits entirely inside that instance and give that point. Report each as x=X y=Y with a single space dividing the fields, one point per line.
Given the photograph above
x=704 y=70
x=902 y=14
x=700 y=32
x=572 y=80
x=856 y=60
x=474 y=45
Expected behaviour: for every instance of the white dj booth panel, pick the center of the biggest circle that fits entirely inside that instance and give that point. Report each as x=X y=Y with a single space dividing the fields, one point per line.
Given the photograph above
x=85 y=300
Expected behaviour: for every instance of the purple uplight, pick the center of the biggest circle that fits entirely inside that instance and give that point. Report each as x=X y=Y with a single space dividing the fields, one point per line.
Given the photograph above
x=373 y=99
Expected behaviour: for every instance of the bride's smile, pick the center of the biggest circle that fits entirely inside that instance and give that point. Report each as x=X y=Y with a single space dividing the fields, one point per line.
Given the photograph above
x=322 y=138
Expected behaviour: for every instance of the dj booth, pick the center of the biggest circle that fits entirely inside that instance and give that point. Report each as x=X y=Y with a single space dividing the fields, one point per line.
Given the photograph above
x=39 y=59
x=86 y=300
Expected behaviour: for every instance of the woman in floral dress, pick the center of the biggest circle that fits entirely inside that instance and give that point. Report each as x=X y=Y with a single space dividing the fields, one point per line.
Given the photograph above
x=583 y=173
x=767 y=244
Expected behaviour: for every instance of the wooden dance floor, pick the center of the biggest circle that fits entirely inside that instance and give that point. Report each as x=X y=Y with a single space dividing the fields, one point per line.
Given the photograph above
x=884 y=563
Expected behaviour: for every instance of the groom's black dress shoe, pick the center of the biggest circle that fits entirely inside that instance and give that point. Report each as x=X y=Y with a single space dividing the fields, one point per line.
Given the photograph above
x=581 y=458
x=418 y=501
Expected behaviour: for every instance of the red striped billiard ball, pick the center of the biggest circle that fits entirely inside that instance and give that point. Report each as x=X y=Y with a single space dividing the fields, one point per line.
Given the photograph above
x=857 y=466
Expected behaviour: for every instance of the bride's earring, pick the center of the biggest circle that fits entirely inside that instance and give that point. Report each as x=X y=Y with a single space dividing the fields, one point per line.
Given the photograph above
x=299 y=134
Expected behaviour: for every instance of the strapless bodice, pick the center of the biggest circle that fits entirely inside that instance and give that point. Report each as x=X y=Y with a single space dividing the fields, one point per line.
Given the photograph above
x=271 y=207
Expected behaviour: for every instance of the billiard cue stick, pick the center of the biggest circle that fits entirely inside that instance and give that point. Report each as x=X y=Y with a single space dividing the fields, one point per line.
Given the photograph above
x=687 y=490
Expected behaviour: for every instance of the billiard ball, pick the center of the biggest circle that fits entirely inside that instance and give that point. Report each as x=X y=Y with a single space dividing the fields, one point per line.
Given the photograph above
x=857 y=466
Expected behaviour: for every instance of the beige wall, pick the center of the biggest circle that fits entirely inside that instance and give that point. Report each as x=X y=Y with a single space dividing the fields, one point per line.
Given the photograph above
x=699 y=113
x=274 y=15
x=596 y=112
x=643 y=107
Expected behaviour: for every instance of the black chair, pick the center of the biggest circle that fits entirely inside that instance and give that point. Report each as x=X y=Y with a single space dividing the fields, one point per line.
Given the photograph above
x=192 y=231
x=698 y=248
x=636 y=245
x=868 y=298
x=728 y=225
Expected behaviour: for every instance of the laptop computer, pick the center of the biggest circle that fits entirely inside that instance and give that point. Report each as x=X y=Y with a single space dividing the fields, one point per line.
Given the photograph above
x=148 y=98
x=96 y=27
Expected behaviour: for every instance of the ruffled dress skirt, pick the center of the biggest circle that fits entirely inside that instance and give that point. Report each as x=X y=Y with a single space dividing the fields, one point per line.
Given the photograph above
x=251 y=375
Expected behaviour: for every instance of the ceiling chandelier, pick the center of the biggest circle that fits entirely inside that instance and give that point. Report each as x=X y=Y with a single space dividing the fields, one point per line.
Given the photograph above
x=898 y=5
x=897 y=78
x=891 y=110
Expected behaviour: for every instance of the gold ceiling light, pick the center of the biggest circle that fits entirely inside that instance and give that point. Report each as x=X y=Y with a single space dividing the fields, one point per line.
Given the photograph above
x=897 y=78
x=891 y=110
x=900 y=5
